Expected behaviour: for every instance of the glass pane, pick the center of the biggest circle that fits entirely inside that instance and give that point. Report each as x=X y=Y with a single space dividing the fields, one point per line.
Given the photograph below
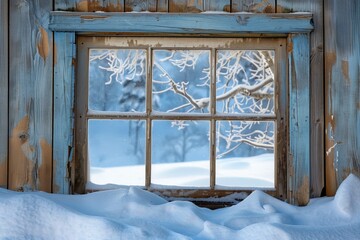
x=117 y=79
x=180 y=153
x=245 y=81
x=245 y=154
x=181 y=81
x=116 y=150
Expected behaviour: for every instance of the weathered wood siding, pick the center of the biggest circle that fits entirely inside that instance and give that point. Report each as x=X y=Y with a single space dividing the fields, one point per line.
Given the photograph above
x=30 y=96
x=3 y=92
x=63 y=116
x=26 y=97
x=317 y=177
x=342 y=78
x=299 y=119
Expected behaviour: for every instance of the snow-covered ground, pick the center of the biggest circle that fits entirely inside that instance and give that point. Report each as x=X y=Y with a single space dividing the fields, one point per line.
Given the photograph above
x=136 y=214
x=255 y=172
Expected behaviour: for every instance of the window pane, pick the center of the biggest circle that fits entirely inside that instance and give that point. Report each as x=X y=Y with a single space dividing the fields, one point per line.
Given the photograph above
x=245 y=81
x=245 y=154
x=116 y=152
x=180 y=153
x=181 y=81
x=117 y=79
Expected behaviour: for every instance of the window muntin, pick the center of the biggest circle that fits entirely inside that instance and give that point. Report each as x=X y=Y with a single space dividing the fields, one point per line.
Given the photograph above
x=216 y=112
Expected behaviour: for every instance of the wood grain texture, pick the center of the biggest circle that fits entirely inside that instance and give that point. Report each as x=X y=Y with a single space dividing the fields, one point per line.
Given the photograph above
x=90 y=5
x=186 y=6
x=30 y=96
x=181 y=23
x=342 y=91
x=3 y=92
x=255 y=6
x=299 y=119
x=217 y=5
x=140 y=5
x=317 y=88
x=63 y=109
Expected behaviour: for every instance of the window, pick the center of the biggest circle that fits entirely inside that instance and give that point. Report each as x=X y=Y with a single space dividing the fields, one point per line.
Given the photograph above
x=183 y=116
x=292 y=87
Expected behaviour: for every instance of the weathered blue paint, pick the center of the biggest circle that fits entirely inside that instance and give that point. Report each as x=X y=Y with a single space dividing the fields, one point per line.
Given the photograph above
x=317 y=146
x=299 y=119
x=63 y=109
x=3 y=92
x=342 y=81
x=181 y=23
x=30 y=96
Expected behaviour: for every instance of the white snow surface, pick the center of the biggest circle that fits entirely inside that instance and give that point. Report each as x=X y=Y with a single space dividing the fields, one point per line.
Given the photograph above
x=133 y=213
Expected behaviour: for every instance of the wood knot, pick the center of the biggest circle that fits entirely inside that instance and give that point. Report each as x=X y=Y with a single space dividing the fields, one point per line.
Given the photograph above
x=23 y=137
x=242 y=20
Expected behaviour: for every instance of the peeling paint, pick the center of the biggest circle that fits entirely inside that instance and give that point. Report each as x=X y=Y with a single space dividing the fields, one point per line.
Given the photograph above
x=3 y=169
x=93 y=6
x=330 y=149
x=282 y=9
x=331 y=184
x=55 y=187
x=302 y=195
x=330 y=171
x=290 y=47
x=55 y=53
x=345 y=71
x=21 y=153
x=92 y=17
x=45 y=169
x=43 y=44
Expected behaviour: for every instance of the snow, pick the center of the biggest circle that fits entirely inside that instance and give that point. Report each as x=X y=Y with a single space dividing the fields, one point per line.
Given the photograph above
x=131 y=213
x=255 y=172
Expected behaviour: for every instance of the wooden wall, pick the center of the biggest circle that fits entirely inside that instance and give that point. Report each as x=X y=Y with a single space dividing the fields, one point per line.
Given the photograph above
x=26 y=80
x=3 y=92
x=342 y=94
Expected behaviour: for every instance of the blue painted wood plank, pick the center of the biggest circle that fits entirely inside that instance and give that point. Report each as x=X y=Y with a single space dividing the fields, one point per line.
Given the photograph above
x=299 y=119
x=342 y=88
x=317 y=88
x=181 y=23
x=30 y=96
x=63 y=109
x=3 y=93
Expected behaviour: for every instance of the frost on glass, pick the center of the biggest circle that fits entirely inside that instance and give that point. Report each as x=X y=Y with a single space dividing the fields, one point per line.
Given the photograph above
x=253 y=139
x=179 y=150
x=180 y=81
x=245 y=81
x=118 y=145
x=117 y=80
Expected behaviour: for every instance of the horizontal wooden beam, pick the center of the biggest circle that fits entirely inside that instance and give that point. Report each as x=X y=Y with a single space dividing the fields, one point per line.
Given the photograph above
x=208 y=23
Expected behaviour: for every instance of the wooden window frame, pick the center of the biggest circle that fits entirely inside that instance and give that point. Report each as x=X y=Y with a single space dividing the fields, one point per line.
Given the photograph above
x=295 y=27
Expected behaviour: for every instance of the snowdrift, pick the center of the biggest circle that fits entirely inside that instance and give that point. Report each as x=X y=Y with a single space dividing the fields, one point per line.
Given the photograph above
x=136 y=214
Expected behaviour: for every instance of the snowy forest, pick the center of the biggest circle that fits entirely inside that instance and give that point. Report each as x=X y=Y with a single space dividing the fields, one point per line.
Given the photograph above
x=185 y=90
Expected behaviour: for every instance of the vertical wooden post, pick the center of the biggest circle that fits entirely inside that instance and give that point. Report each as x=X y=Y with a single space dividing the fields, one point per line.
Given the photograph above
x=299 y=119
x=4 y=27
x=63 y=105
x=317 y=150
